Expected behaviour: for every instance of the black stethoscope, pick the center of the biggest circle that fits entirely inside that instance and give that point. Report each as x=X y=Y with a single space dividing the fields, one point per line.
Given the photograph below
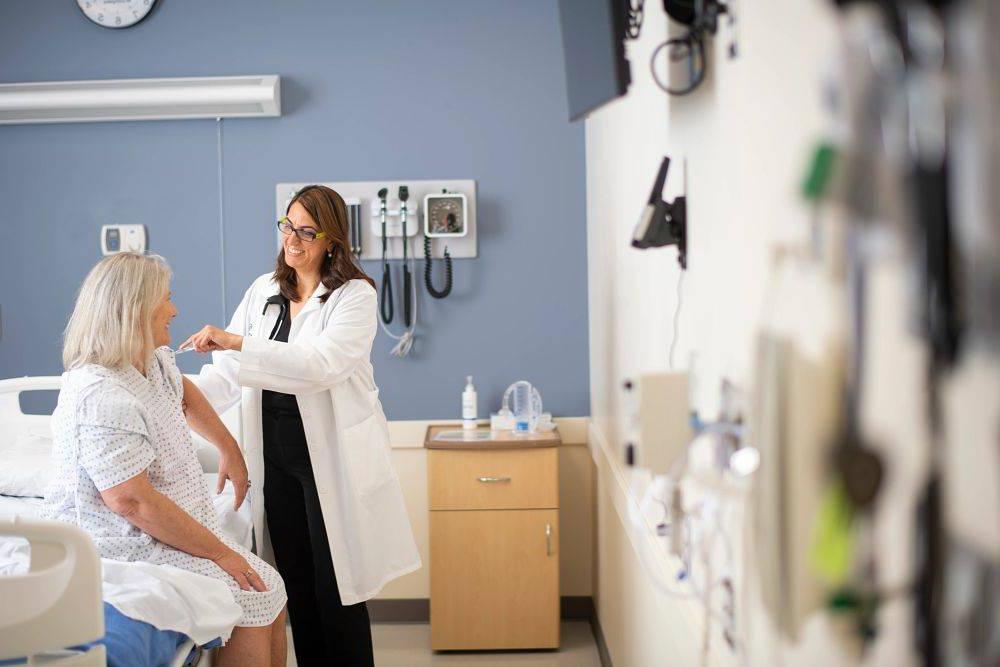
x=281 y=302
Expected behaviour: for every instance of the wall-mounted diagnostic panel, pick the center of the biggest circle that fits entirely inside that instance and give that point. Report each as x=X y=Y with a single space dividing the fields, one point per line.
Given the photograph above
x=399 y=222
x=123 y=238
x=444 y=211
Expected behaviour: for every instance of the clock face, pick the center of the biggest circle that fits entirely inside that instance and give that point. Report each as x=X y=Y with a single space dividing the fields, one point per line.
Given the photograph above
x=446 y=215
x=116 y=13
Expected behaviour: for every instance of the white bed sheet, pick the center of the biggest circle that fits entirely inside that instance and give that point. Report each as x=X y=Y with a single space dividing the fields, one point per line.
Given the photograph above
x=30 y=508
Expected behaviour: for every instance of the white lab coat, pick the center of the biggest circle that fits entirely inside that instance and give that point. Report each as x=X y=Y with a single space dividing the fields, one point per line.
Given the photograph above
x=326 y=365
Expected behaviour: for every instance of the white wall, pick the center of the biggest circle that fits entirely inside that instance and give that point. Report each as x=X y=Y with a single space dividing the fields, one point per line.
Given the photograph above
x=746 y=136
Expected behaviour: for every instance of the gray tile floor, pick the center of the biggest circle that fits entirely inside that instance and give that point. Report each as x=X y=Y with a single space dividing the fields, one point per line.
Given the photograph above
x=408 y=645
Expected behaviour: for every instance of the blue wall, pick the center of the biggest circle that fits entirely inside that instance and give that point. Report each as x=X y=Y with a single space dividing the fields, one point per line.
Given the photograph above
x=371 y=90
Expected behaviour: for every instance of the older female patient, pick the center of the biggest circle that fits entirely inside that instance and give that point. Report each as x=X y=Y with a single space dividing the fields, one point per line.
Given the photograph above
x=127 y=471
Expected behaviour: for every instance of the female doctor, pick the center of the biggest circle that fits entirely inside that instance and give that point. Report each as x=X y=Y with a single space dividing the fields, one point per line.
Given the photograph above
x=297 y=353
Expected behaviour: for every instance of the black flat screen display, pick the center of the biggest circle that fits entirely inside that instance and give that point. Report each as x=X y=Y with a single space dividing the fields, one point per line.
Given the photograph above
x=593 y=35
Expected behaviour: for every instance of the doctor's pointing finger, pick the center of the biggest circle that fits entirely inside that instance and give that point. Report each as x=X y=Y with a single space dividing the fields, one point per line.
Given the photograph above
x=297 y=357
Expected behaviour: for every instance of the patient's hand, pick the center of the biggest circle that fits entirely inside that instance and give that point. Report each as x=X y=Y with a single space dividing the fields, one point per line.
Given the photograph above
x=204 y=421
x=239 y=569
x=234 y=468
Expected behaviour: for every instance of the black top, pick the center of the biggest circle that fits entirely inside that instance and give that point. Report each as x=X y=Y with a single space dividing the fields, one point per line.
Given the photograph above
x=272 y=401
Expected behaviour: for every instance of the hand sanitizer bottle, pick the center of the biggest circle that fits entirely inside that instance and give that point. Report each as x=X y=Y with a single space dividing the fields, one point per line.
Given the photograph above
x=469 y=405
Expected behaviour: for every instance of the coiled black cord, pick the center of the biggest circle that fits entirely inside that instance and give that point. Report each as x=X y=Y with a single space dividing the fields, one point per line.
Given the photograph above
x=427 y=271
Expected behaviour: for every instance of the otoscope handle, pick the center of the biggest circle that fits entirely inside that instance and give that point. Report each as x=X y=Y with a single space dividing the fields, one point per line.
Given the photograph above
x=407 y=296
x=386 y=304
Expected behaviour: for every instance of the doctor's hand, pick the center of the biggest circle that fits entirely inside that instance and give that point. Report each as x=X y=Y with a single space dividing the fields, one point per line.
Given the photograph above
x=213 y=339
x=234 y=468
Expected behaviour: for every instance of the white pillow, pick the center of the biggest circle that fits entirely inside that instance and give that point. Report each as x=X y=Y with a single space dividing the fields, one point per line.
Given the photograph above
x=26 y=465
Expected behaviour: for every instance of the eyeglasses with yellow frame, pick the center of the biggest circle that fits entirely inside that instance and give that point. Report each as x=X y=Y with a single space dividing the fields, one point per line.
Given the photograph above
x=307 y=234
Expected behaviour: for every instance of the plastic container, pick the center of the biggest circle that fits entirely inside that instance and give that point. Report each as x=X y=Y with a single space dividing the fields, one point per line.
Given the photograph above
x=502 y=421
x=525 y=404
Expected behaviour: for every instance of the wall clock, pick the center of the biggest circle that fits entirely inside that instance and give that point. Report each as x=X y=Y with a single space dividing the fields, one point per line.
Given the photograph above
x=116 y=13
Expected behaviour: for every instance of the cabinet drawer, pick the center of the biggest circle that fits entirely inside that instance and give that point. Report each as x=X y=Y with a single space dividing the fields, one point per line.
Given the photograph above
x=499 y=479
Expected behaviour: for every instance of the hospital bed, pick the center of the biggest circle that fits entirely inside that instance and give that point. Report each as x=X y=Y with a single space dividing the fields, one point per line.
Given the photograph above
x=64 y=581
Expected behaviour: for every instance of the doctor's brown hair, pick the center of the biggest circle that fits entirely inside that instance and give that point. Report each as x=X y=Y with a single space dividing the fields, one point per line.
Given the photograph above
x=329 y=211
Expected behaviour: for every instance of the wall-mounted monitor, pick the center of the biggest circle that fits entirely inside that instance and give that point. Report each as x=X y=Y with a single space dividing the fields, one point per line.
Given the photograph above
x=593 y=36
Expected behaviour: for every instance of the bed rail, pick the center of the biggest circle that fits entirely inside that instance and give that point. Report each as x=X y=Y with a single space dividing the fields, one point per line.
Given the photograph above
x=58 y=599
x=11 y=390
x=13 y=420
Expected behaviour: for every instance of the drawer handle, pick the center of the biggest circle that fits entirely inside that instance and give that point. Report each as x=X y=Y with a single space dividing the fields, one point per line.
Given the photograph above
x=548 y=539
x=493 y=480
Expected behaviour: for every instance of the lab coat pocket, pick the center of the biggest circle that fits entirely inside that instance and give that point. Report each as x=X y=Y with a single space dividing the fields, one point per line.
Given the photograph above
x=366 y=448
x=356 y=406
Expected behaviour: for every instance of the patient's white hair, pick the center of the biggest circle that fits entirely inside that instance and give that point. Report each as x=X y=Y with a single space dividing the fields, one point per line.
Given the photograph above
x=110 y=324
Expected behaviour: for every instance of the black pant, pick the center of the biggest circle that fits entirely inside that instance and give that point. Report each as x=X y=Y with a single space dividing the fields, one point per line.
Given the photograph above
x=324 y=631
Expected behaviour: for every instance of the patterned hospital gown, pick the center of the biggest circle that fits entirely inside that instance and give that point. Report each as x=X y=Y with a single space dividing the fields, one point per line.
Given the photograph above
x=109 y=426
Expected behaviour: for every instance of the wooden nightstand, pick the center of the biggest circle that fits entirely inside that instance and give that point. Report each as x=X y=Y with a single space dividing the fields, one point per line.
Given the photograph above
x=494 y=541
